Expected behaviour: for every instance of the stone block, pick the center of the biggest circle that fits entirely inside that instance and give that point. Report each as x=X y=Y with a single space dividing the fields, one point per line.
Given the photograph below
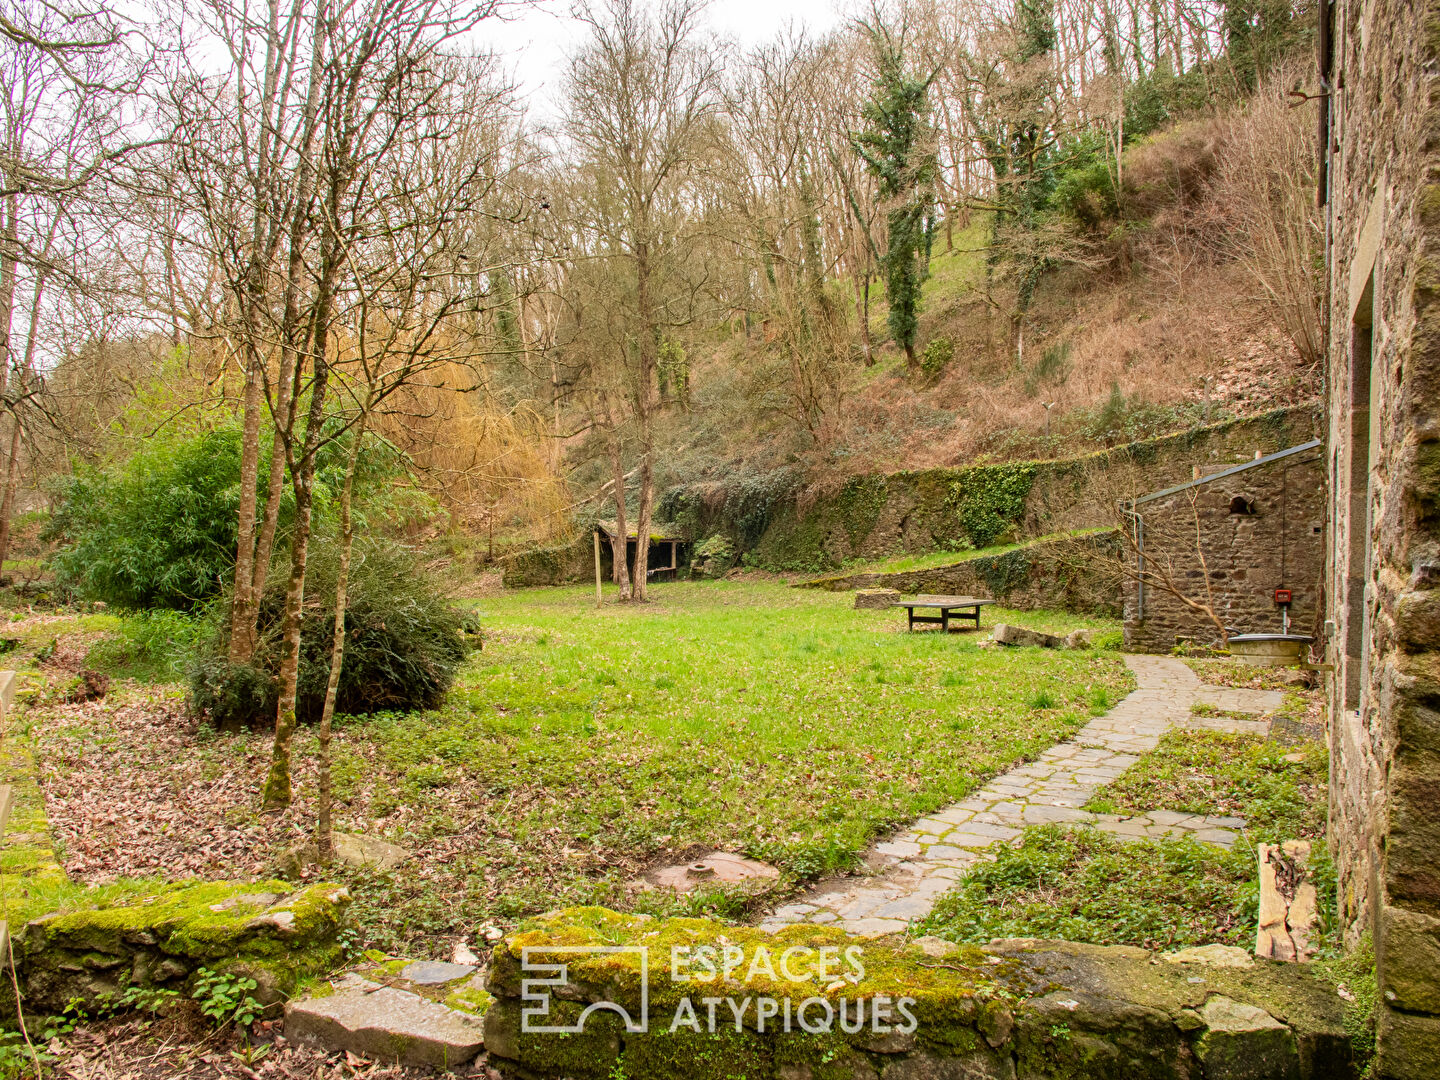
x=1408 y=958
x=876 y=598
x=1244 y=1042
x=1287 y=902
x=350 y=850
x=1225 y=956
x=267 y=930
x=1406 y=1047
x=385 y=1023
x=1080 y=639
x=1006 y=634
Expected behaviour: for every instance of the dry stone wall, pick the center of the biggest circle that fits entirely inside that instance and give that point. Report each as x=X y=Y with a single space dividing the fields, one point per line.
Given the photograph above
x=1071 y=573
x=783 y=525
x=589 y=993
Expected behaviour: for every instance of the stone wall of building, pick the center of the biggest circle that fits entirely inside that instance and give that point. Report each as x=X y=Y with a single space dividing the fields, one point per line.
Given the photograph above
x=1383 y=561
x=1258 y=530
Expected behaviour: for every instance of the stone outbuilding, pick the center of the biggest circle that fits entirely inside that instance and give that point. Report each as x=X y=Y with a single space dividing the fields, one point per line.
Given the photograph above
x=1379 y=137
x=1245 y=543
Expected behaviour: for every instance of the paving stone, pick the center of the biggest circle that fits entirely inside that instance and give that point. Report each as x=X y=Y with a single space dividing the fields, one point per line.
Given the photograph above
x=1168 y=817
x=1073 y=801
x=793 y=911
x=434 y=972
x=933 y=886
x=823 y=917
x=1045 y=815
x=912 y=908
x=999 y=832
x=1225 y=822
x=954 y=850
x=385 y=1023
x=876 y=927
x=899 y=848
x=959 y=841
x=930 y=825
x=955 y=816
x=1223 y=837
x=1122 y=828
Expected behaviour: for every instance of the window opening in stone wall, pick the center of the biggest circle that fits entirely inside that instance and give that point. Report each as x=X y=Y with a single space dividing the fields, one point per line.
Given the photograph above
x=1357 y=569
x=1241 y=505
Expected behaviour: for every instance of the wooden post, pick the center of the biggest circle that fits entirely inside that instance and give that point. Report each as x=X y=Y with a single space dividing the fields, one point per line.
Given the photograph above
x=598 y=596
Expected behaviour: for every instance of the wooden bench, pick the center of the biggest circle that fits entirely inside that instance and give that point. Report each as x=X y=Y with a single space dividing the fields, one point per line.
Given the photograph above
x=962 y=608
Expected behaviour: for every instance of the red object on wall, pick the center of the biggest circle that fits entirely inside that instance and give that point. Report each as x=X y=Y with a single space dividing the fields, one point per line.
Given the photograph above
x=1282 y=596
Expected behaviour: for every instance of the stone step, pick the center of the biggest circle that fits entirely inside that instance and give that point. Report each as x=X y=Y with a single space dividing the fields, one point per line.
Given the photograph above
x=7 y=803
x=408 y=1013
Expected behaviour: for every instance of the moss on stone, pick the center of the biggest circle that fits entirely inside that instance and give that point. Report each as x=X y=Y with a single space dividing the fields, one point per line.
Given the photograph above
x=474 y=1000
x=252 y=929
x=1055 y=1009
x=205 y=921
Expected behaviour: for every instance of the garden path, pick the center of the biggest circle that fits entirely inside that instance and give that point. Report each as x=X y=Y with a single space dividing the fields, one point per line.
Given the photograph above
x=922 y=862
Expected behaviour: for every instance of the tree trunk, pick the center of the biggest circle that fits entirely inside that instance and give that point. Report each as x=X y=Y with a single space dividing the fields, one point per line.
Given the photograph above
x=24 y=371
x=618 y=543
x=12 y=484
x=258 y=568
x=324 y=839
x=649 y=346
x=9 y=261
x=641 y=590
x=244 y=600
x=865 y=319
x=302 y=478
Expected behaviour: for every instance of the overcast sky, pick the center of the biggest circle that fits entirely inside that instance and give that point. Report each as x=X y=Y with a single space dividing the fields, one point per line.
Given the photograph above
x=533 y=42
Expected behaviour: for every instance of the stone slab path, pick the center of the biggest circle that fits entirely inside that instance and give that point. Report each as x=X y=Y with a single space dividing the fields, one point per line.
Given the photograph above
x=916 y=866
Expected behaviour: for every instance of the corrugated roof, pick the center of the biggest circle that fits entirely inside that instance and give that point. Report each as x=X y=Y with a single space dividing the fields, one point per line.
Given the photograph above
x=659 y=530
x=1266 y=460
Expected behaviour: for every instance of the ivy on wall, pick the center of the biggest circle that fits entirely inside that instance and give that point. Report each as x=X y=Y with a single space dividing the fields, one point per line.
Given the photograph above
x=989 y=500
x=859 y=505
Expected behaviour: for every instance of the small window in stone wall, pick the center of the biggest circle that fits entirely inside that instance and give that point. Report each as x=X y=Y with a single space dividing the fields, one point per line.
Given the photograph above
x=1241 y=505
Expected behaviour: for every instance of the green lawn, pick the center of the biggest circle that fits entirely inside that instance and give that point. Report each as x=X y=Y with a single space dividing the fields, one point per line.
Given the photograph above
x=776 y=722
x=582 y=747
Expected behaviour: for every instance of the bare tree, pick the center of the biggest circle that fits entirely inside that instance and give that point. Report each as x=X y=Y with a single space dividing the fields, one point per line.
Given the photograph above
x=67 y=92
x=642 y=95
x=378 y=92
x=1270 y=222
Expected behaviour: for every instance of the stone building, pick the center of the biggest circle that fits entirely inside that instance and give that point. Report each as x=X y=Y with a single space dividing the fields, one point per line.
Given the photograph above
x=1227 y=542
x=1380 y=181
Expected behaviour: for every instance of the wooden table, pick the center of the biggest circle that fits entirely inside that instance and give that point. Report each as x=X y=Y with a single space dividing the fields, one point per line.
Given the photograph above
x=965 y=608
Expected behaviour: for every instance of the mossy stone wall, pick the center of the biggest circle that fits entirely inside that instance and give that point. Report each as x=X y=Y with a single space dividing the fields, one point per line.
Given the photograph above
x=265 y=930
x=556 y=565
x=1070 y=573
x=1012 y=1009
x=783 y=525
